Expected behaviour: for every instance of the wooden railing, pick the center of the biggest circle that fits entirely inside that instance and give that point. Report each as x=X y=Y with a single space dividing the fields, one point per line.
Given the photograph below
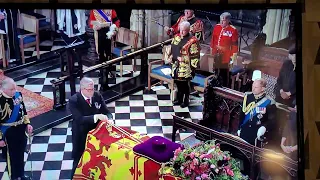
x=59 y=83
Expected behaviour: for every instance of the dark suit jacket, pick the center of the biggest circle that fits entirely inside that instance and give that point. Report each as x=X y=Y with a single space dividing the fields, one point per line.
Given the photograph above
x=287 y=82
x=83 y=119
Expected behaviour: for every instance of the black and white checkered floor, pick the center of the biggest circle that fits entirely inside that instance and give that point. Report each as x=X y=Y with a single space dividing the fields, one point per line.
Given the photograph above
x=44 y=47
x=148 y=113
x=40 y=83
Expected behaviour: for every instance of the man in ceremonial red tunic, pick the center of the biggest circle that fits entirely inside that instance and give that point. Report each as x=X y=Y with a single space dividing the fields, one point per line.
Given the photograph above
x=105 y=24
x=196 y=27
x=224 y=45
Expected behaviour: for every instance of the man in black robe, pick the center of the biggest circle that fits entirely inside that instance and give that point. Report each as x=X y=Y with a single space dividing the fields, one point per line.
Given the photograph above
x=257 y=115
x=87 y=108
x=285 y=90
x=9 y=24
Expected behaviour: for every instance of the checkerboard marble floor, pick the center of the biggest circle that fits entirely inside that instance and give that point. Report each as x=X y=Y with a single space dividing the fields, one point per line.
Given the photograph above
x=41 y=84
x=148 y=113
x=44 y=47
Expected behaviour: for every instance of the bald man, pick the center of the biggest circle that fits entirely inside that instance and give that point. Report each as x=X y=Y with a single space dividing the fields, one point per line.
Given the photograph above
x=185 y=59
x=88 y=108
x=257 y=115
x=14 y=125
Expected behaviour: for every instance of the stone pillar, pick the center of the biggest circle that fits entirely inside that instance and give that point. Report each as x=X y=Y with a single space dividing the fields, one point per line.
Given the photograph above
x=92 y=56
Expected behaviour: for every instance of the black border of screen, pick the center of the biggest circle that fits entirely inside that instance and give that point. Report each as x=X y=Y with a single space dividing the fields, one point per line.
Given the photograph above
x=297 y=7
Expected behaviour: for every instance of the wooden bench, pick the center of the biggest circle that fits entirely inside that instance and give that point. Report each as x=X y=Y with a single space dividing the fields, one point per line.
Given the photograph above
x=126 y=41
x=199 y=82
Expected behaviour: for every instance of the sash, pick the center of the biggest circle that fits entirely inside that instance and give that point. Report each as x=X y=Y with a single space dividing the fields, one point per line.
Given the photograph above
x=13 y=117
x=263 y=103
x=103 y=15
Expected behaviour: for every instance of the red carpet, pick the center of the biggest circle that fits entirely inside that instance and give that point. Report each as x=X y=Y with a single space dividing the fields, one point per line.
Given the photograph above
x=35 y=103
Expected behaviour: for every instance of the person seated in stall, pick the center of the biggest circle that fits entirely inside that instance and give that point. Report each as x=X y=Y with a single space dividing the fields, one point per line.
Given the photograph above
x=196 y=25
x=289 y=135
x=185 y=49
x=9 y=26
x=87 y=108
x=257 y=115
x=224 y=45
x=105 y=24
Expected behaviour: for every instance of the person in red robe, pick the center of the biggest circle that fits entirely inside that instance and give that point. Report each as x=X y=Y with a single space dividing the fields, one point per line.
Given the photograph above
x=224 y=45
x=105 y=24
x=196 y=25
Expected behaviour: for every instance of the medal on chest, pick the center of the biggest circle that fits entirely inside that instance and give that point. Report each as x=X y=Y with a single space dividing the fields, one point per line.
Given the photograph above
x=260 y=111
x=226 y=33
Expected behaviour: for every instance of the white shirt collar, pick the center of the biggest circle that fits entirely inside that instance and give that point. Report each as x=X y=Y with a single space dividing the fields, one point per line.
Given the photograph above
x=85 y=98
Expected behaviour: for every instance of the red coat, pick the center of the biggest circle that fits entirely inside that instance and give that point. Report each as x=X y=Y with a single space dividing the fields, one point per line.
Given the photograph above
x=196 y=27
x=227 y=39
x=110 y=13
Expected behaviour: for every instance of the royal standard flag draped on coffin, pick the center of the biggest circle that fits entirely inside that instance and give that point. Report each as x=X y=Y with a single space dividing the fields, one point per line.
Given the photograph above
x=108 y=155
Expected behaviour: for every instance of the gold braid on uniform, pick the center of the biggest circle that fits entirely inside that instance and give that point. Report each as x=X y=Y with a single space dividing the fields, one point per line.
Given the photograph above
x=5 y=111
x=194 y=54
x=247 y=108
x=26 y=120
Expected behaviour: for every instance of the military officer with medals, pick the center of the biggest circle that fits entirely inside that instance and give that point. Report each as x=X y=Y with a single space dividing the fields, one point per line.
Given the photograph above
x=185 y=51
x=196 y=25
x=14 y=127
x=105 y=24
x=224 y=45
x=257 y=115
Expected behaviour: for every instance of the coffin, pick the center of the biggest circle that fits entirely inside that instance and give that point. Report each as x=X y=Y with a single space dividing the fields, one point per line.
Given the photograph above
x=108 y=155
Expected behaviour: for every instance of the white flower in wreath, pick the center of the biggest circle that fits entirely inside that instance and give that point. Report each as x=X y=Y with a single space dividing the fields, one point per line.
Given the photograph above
x=98 y=106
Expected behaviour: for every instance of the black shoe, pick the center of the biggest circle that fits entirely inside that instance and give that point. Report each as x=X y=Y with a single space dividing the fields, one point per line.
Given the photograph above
x=185 y=101
x=183 y=105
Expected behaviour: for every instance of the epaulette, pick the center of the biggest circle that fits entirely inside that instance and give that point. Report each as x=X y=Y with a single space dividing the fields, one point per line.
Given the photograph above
x=247 y=93
x=233 y=27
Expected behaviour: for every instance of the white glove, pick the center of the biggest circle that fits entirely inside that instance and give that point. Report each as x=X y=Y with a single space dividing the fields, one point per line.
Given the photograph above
x=238 y=132
x=261 y=131
x=112 y=31
x=109 y=34
x=100 y=117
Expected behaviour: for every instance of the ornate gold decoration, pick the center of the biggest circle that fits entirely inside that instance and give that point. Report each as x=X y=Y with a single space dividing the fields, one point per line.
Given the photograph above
x=194 y=49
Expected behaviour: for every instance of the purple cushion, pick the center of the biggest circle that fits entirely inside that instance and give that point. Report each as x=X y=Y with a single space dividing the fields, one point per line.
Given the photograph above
x=157 y=148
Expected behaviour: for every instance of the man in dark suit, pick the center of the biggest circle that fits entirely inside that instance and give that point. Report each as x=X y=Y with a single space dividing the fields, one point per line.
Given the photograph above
x=87 y=108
